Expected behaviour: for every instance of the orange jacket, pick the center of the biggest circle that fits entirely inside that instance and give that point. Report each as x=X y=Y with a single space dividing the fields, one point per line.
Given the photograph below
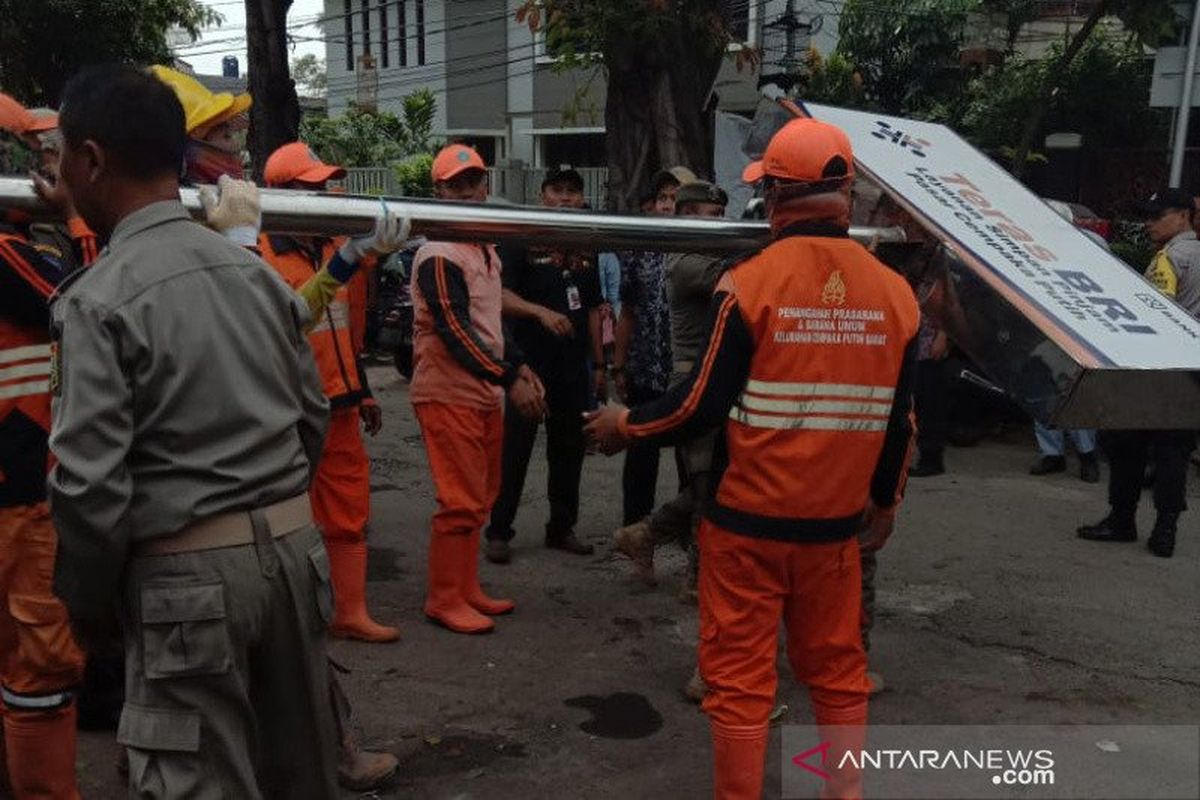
x=29 y=273
x=336 y=340
x=811 y=358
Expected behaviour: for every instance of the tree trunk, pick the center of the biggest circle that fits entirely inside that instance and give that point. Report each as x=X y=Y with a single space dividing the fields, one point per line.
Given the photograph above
x=655 y=114
x=1058 y=70
x=275 y=115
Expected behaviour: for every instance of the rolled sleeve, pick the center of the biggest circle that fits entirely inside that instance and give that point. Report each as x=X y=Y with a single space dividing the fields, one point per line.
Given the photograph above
x=90 y=487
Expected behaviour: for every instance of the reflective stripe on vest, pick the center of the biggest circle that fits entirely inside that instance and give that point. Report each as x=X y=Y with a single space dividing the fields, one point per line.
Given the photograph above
x=24 y=371
x=814 y=406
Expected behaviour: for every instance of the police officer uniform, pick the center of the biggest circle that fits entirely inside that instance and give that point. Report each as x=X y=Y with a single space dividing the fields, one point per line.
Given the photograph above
x=187 y=420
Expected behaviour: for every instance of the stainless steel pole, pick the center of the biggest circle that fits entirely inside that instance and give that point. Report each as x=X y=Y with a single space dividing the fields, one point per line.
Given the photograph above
x=1185 y=100
x=320 y=213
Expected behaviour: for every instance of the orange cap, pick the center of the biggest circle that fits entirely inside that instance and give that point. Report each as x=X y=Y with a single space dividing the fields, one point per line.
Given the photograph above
x=14 y=117
x=453 y=159
x=44 y=119
x=800 y=151
x=297 y=162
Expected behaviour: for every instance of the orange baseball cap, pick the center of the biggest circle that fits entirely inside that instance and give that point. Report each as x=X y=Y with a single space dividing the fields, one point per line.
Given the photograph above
x=454 y=159
x=14 y=117
x=801 y=151
x=44 y=119
x=297 y=162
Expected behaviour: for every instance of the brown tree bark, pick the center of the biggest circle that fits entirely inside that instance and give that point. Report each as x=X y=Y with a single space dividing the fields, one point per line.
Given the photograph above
x=655 y=113
x=1033 y=123
x=275 y=115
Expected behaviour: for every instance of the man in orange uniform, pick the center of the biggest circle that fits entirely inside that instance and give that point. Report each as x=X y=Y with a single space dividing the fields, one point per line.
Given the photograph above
x=341 y=489
x=464 y=364
x=41 y=666
x=811 y=357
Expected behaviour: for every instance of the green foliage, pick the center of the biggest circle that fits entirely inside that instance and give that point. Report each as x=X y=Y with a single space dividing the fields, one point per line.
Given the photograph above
x=413 y=173
x=45 y=42
x=577 y=31
x=15 y=156
x=363 y=138
x=905 y=51
x=833 y=80
x=308 y=71
x=1104 y=95
x=1132 y=244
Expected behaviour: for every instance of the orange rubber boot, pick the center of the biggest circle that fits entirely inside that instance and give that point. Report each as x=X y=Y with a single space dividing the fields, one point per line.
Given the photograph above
x=739 y=755
x=474 y=593
x=348 y=567
x=843 y=723
x=41 y=753
x=445 y=601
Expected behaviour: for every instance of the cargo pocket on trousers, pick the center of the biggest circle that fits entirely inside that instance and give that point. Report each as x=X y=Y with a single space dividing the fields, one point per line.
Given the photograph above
x=44 y=643
x=318 y=558
x=184 y=631
x=164 y=753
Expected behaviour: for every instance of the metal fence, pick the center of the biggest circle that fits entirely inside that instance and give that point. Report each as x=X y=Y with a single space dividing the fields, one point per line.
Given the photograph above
x=521 y=185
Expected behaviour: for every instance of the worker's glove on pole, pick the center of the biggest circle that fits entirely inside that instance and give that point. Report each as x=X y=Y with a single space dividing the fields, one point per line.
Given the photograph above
x=233 y=209
x=390 y=234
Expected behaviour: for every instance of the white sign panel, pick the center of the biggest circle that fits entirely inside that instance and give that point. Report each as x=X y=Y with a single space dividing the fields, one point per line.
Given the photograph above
x=1110 y=311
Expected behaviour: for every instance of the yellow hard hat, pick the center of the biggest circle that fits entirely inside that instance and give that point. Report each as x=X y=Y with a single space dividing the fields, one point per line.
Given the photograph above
x=202 y=109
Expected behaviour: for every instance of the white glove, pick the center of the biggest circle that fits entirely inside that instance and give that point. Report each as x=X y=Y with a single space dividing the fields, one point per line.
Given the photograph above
x=390 y=234
x=235 y=212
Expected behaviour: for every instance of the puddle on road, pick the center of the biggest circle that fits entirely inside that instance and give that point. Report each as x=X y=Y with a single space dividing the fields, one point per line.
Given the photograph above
x=459 y=752
x=623 y=715
x=381 y=564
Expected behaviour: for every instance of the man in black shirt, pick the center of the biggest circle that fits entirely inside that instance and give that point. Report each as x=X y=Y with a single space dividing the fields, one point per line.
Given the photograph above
x=552 y=301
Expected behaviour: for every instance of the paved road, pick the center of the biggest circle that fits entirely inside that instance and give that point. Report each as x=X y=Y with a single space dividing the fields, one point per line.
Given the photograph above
x=989 y=611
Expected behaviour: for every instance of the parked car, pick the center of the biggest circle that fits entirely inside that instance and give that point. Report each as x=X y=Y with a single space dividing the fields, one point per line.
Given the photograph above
x=1081 y=216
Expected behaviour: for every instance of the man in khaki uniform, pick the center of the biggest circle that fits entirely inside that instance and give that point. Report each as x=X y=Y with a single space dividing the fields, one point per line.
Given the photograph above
x=187 y=419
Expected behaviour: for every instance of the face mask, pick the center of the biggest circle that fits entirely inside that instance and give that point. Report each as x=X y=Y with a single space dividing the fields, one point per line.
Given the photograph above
x=204 y=163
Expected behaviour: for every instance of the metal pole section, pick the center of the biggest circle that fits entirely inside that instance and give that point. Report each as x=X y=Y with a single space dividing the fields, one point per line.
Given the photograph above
x=325 y=214
x=1185 y=101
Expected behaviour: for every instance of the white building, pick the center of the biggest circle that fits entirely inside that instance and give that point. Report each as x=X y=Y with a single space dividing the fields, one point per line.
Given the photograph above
x=495 y=86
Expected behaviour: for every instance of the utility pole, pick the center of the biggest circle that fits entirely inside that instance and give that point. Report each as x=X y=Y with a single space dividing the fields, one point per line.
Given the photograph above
x=790 y=24
x=1185 y=101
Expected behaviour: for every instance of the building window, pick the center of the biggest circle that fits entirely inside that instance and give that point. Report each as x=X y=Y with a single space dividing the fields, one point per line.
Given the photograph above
x=384 y=51
x=402 y=35
x=420 y=32
x=349 y=21
x=366 y=20
x=743 y=24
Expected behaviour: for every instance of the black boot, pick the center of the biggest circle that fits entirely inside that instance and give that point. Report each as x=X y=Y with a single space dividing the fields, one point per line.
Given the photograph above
x=1049 y=464
x=1089 y=467
x=1113 y=528
x=1162 y=539
x=927 y=466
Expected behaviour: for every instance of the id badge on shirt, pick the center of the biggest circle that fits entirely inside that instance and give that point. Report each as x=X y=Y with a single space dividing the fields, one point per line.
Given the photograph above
x=573 y=301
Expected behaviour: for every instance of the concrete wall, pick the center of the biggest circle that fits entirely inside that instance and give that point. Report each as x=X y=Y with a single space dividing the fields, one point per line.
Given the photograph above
x=477 y=65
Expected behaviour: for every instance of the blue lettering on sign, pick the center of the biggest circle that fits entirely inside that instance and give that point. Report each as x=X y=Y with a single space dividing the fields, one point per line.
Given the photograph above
x=1113 y=308
x=896 y=136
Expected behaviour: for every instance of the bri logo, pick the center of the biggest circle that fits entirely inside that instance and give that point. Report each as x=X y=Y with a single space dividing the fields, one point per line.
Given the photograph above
x=801 y=760
x=898 y=137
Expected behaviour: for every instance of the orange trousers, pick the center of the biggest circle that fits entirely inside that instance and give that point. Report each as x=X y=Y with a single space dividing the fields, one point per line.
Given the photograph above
x=38 y=655
x=464 y=447
x=341 y=490
x=40 y=663
x=747 y=585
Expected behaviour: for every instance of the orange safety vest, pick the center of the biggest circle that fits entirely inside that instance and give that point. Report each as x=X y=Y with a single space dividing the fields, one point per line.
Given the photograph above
x=830 y=326
x=810 y=362
x=337 y=339
x=28 y=362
